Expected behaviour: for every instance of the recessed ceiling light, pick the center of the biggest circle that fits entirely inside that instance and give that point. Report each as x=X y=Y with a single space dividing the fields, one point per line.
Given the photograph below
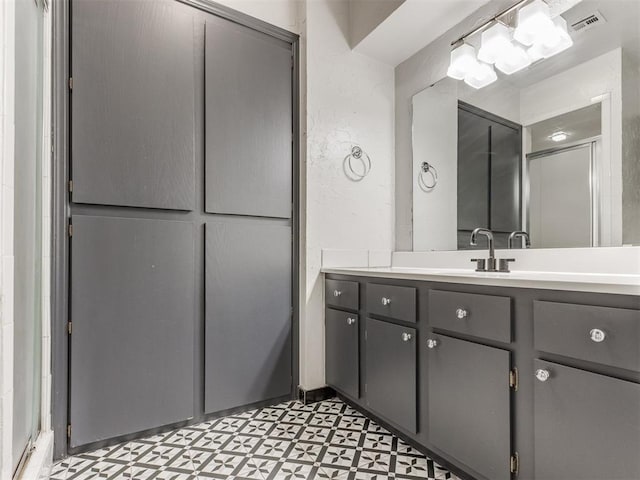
x=559 y=136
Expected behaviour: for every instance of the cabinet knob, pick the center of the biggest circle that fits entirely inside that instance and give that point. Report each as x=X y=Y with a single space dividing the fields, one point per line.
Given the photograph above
x=462 y=313
x=386 y=301
x=406 y=336
x=351 y=320
x=597 y=335
x=542 y=375
x=432 y=343
x=337 y=293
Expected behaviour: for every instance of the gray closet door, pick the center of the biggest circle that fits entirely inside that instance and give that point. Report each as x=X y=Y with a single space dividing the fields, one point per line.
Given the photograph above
x=133 y=313
x=473 y=171
x=506 y=161
x=132 y=104
x=247 y=312
x=469 y=405
x=248 y=122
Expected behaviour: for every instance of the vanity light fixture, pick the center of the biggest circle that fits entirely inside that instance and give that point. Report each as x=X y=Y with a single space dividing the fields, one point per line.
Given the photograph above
x=536 y=36
x=559 y=136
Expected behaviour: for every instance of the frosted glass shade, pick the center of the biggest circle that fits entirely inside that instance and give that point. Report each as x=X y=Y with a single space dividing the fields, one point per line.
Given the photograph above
x=513 y=60
x=463 y=61
x=534 y=23
x=553 y=44
x=481 y=76
x=496 y=42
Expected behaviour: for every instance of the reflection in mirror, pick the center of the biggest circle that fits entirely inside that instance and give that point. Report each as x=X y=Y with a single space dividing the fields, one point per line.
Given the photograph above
x=553 y=150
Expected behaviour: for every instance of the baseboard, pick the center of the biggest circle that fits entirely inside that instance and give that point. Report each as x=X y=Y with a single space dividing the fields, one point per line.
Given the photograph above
x=38 y=464
x=315 y=395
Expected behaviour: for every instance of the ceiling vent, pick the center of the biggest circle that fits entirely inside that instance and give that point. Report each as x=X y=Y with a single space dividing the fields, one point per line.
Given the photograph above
x=588 y=22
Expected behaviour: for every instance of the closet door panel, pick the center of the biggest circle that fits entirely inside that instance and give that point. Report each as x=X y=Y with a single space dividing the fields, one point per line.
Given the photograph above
x=132 y=104
x=473 y=171
x=133 y=311
x=506 y=145
x=247 y=312
x=248 y=111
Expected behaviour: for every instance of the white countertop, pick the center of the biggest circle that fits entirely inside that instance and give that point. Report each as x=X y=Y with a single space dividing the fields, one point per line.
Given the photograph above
x=622 y=284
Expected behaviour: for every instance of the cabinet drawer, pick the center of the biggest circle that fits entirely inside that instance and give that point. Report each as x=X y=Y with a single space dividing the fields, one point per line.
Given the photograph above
x=342 y=352
x=587 y=426
x=391 y=301
x=342 y=294
x=391 y=373
x=605 y=335
x=483 y=316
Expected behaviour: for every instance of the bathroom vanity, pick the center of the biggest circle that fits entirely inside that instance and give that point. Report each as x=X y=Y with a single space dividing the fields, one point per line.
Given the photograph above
x=497 y=381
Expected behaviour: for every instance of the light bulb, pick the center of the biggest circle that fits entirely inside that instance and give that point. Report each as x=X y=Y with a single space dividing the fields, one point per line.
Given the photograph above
x=559 y=136
x=463 y=61
x=534 y=23
x=513 y=60
x=481 y=76
x=496 y=41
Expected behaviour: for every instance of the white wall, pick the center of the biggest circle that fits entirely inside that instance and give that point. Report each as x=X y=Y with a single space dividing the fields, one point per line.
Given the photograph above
x=282 y=13
x=349 y=101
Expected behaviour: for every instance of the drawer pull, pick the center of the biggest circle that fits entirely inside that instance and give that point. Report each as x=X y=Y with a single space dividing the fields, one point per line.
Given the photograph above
x=432 y=343
x=462 y=313
x=386 y=301
x=542 y=375
x=406 y=336
x=337 y=293
x=351 y=320
x=597 y=335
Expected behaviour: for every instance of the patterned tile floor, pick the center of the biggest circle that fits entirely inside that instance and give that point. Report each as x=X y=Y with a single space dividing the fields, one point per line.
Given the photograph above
x=291 y=441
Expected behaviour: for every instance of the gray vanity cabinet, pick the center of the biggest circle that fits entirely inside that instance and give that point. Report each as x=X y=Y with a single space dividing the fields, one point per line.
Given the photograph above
x=469 y=404
x=587 y=426
x=342 y=352
x=391 y=372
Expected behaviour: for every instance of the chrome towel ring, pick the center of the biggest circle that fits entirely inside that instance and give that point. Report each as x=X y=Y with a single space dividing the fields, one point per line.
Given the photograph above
x=427 y=184
x=356 y=156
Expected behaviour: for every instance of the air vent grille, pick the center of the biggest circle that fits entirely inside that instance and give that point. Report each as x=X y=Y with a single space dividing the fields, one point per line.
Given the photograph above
x=588 y=22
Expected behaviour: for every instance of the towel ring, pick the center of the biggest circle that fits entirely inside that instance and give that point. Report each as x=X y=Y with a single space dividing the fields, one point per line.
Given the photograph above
x=427 y=168
x=360 y=155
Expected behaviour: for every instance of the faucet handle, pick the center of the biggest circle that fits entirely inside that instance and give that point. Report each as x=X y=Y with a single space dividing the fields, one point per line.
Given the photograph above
x=503 y=264
x=481 y=264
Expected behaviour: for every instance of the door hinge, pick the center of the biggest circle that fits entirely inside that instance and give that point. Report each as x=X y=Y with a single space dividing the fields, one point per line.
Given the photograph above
x=69 y=431
x=513 y=379
x=69 y=327
x=70 y=229
x=70 y=186
x=70 y=83
x=514 y=463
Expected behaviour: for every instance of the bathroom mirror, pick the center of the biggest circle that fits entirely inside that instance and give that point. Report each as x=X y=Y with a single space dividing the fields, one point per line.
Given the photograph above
x=553 y=150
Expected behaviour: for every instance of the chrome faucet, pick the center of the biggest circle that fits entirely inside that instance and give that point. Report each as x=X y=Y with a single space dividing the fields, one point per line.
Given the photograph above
x=517 y=234
x=489 y=264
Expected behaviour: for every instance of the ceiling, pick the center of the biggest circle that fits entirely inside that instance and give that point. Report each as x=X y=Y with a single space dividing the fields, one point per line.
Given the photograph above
x=578 y=125
x=413 y=25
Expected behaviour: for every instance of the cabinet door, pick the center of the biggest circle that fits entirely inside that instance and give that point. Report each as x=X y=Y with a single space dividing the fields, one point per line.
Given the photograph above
x=132 y=106
x=247 y=313
x=469 y=405
x=391 y=372
x=342 y=352
x=133 y=305
x=473 y=171
x=587 y=426
x=506 y=145
x=248 y=151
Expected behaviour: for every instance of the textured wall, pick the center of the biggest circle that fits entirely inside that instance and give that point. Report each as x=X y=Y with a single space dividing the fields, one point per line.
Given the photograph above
x=349 y=101
x=630 y=150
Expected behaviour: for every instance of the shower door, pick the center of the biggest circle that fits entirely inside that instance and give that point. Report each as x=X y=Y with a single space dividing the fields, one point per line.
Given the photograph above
x=562 y=207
